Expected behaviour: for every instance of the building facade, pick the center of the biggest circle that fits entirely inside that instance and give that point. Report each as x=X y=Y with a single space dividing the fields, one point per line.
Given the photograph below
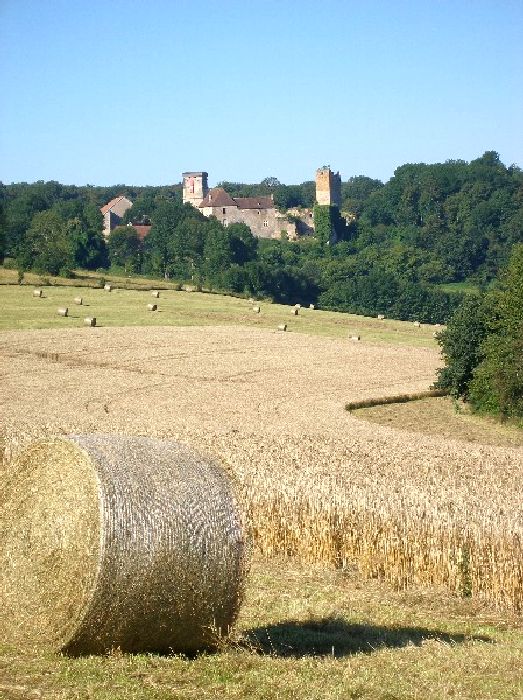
x=259 y=213
x=113 y=213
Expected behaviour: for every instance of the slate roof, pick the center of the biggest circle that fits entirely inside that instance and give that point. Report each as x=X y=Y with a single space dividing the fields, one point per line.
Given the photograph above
x=218 y=197
x=254 y=202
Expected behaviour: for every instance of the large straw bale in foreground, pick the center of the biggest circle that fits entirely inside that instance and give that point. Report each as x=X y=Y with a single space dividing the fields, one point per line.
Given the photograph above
x=110 y=542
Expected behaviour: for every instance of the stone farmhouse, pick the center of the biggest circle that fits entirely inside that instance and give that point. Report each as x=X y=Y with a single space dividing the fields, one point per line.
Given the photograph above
x=113 y=213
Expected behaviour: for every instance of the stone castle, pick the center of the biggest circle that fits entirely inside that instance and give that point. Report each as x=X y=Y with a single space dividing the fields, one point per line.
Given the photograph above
x=260 y=213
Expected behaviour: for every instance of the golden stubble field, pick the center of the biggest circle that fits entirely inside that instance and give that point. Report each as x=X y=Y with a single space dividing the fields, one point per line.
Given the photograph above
x=317 y=482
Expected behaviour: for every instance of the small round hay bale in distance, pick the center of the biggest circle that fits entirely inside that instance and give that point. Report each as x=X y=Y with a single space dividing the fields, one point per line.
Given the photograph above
x=311 y=307
x=297 y=306
x=152 y=307
x=79 y=301
x=90 y=321
x=256 y=309
x=63 y=311
x=282 y=327
x=37 y=293
x=355 y=338
x=251 y=301
x=417 y=324
x=118 y=542
x=155 y=294
x=381 y=317
x=107 y=288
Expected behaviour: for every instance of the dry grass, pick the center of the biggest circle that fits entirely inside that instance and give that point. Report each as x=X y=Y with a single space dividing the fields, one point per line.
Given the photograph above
x=444 y=418
x=318 y=483
x=306 y=632
x=128 y=307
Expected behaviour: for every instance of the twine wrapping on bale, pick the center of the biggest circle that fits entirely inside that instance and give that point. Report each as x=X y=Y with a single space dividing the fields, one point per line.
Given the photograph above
x=118 y=542
x=63 y=311
x=152 y=307
x=90 y=321
x=79 y=301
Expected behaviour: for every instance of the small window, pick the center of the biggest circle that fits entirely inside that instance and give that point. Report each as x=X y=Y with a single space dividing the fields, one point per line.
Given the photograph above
x=223 y=210
x=266 y=223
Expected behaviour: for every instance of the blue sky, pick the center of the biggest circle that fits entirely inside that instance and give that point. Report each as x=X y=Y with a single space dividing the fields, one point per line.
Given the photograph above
x=126 y=91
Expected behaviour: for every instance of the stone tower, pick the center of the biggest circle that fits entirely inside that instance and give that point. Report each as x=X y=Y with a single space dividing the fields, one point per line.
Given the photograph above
x=328 y=187
x=195 y=188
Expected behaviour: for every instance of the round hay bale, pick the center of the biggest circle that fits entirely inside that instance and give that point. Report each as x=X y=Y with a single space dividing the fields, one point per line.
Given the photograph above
x=152 y=307
x=355 y=337
x=282 y=327
x=107 y=287
x=417 y=324
x=37 y=293
x=79 y=301
x=90 y=321
x=311 y=307
x=381 y=317
x=155 y=294
x=118 y=542
x=63 y=311
x=256 y=309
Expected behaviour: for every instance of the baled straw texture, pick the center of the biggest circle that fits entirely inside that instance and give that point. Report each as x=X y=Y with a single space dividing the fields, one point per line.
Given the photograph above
x=118 y=542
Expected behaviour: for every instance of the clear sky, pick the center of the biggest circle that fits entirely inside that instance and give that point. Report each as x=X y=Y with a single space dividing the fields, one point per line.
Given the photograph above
x=134 y=91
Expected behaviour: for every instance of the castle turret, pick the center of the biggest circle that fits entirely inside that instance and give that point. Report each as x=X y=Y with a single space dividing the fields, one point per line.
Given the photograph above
x=328 y=187
x=195 y=188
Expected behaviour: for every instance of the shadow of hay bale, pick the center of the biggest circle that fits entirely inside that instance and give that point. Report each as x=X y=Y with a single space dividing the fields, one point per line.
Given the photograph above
x=335 y=637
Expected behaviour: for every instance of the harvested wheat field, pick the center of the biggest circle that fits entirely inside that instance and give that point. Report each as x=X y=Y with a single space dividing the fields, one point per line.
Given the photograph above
x=317 y=482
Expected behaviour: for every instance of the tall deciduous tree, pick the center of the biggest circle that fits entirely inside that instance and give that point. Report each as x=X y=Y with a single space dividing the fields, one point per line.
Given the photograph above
x=46 y=246
x=125 y=248
x=497 y=386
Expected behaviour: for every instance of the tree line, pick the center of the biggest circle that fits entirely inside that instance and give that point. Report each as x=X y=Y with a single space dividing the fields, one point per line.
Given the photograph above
x=429 y=225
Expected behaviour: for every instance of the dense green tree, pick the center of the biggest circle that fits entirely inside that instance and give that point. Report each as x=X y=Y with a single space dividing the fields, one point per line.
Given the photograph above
x=497 y=385
x=46 y=246
x=461 y=346
x=125 y=248
x=2 y=228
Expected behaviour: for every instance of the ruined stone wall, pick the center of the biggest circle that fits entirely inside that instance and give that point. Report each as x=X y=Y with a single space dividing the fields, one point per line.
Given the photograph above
x=328 y=188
